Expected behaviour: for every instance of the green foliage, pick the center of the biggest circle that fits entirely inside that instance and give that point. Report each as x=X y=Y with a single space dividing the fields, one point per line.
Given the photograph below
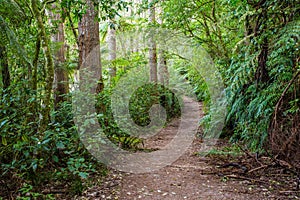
x=233 y=32
x=9 y=38
x=143 y=99
x=28 y=154
x=139 y=105
x=251 y=103
x=233 y=150
x=212 y=24
x=27 y=193
x=108 y=8
x=191 y=75
x=127 y=142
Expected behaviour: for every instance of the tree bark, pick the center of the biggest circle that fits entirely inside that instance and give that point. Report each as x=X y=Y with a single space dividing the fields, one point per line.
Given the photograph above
x=34 y=105
x=61 y=78
x=35 y=63
x=89 y=41
x=261 y=74
x=112 y=48
x=49 y=66
x=163 y=74
x=4 y=67
x=152 y=45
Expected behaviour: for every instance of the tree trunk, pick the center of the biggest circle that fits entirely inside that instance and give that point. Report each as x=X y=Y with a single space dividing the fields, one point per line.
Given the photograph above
x=89 y=42
x=261 y=74
x=61 y=79
x=112 y=48
x=49 y=66
x=152 y=45
x=35 y=63
x=34 y=105
x=163 y=74
x=4 y=67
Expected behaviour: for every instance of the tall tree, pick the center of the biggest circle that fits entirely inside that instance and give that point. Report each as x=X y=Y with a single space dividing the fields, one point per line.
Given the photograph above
x=88 y=29
x=49 y=65
x=61 y=79
x=152 y=44
x=163 y=74
x=112 y=47
x=261 y=26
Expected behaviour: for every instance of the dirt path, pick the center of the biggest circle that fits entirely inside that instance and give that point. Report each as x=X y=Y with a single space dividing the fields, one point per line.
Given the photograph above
x=190 y=177
x=187 y=178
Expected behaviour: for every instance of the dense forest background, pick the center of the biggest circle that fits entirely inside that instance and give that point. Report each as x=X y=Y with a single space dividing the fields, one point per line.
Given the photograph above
x=253 y=43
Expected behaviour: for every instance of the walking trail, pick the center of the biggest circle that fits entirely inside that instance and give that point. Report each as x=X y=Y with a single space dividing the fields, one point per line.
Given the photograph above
x=190 y=177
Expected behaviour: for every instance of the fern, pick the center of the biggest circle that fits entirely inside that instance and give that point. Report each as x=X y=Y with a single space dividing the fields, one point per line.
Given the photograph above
x=251 y=105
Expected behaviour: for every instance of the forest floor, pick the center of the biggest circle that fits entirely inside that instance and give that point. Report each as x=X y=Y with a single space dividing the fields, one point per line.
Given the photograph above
x=191 y=177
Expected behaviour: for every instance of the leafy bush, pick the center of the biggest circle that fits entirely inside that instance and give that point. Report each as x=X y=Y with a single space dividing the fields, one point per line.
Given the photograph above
x=36 y=158
x=144 y=97
x=252 y=104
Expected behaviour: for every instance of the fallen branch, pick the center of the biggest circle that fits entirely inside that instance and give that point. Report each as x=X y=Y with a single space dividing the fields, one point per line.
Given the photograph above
x=251 y=156
x=245 y=178
x=258 y=168
x=236 y=165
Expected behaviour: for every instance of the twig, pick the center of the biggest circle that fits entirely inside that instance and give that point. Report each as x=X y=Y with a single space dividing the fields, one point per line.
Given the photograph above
x=45 y=3
x=251 y=156
x=284 y=164
x=258 y=168
x=236 y=165
x=245 y=178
